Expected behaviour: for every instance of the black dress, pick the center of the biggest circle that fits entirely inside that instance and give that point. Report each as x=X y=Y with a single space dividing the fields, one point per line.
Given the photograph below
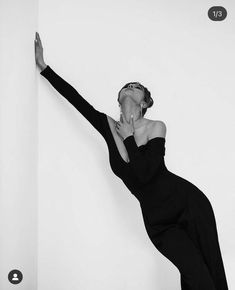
x=178 y=216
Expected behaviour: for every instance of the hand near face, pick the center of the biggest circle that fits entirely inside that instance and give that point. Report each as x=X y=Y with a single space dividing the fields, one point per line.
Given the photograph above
x=123 y=128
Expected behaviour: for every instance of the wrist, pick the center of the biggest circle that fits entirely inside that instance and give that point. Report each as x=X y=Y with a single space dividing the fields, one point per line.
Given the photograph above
x=42 y=66
x=131 y=134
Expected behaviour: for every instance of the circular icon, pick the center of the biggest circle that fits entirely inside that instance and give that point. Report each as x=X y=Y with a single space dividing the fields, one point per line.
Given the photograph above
x=217 y=13
x=15 y=276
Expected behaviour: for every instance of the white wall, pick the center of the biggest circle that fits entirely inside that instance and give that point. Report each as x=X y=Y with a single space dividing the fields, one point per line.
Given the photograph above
x=91 y=232
x=18 y=143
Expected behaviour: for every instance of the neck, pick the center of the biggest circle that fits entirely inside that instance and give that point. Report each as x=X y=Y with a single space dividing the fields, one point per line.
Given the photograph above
x=129 y=108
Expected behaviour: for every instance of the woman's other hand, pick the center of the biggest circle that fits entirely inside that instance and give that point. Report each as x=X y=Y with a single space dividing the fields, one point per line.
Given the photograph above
x=123 y=128
x=39 y=52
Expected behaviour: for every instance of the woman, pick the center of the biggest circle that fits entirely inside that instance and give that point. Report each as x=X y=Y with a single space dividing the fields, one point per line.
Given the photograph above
x=178 y=217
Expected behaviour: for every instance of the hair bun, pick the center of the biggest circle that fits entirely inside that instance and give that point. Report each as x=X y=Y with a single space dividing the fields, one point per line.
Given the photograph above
x=150 y=102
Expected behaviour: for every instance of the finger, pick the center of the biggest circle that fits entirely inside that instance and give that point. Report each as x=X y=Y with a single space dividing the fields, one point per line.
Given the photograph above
x=121 y=117
x=39 y=39
x=132 y=121
x=36 y=39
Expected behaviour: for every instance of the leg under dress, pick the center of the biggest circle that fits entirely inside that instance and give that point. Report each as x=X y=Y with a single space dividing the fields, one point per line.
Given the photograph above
x=192 y=245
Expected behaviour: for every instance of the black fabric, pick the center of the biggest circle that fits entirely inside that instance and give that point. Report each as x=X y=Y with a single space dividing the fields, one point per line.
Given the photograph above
x=177 y=215
x=72 y=95
x=147 y=163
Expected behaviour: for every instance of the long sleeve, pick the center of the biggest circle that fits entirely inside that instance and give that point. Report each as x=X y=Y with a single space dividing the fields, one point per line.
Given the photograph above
x=95 y=117
x=145 y=164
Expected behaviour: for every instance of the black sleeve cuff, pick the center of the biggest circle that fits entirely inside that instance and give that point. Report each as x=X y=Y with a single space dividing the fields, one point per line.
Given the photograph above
x=130 y=143
x=45 y=70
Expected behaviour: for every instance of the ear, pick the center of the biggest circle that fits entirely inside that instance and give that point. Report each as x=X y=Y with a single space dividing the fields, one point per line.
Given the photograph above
x=144 y=105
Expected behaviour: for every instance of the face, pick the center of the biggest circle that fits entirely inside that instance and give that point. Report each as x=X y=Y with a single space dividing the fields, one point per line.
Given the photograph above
x=134 y=90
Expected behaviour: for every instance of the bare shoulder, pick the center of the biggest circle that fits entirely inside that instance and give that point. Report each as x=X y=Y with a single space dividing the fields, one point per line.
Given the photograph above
x=157 y=129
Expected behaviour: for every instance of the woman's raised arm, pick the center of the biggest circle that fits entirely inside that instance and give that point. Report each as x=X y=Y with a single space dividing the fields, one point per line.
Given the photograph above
x=95 y=117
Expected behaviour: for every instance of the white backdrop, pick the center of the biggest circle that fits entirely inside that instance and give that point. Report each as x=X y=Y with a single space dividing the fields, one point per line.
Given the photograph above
x=18 y=144
x=91 y=233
